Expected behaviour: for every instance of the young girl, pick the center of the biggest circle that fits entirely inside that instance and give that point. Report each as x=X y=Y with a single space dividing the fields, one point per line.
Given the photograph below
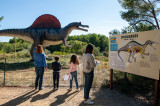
x=73 y=71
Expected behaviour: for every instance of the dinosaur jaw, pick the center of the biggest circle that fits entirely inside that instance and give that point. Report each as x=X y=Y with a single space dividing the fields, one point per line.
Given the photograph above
x=80 y=27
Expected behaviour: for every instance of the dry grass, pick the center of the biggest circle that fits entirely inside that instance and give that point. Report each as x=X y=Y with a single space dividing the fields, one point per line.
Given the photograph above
x=26 y=77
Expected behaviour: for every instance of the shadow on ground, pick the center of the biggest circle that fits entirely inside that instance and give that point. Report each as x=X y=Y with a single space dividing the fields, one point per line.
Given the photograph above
x=107 y=97
x=43 y=96
x=61 y=98
x=20 y=99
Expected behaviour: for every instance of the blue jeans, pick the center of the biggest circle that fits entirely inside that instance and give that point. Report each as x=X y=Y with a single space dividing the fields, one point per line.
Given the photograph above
x=74 y=74
x=55 y=79
x=88 y=83
x=39 y=77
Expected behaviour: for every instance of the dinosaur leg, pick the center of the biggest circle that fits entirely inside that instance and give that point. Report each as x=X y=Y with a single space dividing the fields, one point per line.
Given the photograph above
x=142 y=55
x=129 y=57
x=65 y=43
x=145 y=53
x=133 y=55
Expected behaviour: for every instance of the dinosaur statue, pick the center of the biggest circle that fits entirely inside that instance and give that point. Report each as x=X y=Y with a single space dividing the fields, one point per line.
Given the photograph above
x=134 y=47
x=46 y=30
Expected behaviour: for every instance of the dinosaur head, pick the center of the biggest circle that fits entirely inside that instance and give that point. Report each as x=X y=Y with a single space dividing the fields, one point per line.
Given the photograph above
x=151 y=42
x=77 y=26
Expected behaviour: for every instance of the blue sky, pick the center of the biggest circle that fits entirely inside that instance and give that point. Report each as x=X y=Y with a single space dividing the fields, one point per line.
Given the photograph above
x=102 y=16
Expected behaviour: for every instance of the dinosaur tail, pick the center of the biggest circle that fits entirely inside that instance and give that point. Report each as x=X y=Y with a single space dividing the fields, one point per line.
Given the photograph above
x=11 y=32
x=119 y=55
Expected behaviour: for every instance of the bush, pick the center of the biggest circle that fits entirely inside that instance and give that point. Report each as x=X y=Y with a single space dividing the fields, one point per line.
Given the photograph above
x=136 y=83
x=60 y=53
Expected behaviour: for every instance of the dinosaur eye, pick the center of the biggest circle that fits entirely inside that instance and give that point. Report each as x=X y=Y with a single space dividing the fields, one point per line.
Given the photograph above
x=80 y=22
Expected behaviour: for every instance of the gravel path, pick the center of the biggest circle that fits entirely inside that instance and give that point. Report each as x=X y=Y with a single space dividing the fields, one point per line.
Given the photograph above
x=13 y=96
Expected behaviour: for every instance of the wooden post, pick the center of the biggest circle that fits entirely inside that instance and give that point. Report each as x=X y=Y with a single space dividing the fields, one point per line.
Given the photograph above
x=156 y=93
x=15 y=48
x=111 y=78
x=4 y=81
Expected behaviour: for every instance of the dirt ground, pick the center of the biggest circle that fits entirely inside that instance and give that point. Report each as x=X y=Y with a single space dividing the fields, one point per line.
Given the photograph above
x=27 y=96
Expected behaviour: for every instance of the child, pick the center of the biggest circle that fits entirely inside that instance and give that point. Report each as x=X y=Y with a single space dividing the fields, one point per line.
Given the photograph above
x=56 y=66
x=73 y=71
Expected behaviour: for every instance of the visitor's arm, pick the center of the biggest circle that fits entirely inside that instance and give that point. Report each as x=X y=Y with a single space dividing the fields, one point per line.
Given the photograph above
x=45 y=63
x=92 y=62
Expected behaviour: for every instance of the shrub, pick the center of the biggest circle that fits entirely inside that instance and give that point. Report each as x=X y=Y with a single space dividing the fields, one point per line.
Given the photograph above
x=60 y=53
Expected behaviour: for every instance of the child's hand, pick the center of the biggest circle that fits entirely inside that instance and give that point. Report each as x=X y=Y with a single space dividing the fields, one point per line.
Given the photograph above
x=68 y=73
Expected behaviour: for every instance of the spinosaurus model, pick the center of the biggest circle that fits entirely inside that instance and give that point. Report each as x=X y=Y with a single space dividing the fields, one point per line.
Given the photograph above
x=134 y=47
x=46 y=30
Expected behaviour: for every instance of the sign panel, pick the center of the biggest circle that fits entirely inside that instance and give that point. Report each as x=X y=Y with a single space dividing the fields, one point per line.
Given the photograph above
x=137 y=53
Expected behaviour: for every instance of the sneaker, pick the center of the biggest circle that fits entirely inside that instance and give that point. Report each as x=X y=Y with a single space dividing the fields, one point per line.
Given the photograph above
x=90 y=97
x=41 y=88
x=69 y=89
x=78 y=89
x=88 y=102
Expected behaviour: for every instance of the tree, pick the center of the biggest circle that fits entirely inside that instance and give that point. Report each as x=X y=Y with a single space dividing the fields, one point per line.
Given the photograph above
x=143 y=27
x=140 y=11
x=98 y=40
x=1 y=18
x=114 y=32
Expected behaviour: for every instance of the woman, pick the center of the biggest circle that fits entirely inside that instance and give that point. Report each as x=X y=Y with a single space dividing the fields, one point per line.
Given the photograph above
x=88 y=69
x=73 y=71
x=40 y=65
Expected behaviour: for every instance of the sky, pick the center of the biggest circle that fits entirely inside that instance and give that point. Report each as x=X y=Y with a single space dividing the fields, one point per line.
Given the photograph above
x=102 y=16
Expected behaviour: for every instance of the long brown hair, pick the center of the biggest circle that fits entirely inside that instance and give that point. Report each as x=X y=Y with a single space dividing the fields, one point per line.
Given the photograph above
x=89 y=48
x=74 y=59
x=39 y=49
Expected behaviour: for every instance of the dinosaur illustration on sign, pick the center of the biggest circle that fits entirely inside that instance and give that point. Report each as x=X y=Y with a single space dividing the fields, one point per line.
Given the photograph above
x=46 y=30
x=134 y=47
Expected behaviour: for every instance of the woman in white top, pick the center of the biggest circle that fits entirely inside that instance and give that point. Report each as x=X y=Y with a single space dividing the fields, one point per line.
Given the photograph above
x=88 y=69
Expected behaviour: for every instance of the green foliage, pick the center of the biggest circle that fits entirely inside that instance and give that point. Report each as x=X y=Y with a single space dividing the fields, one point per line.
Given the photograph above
x=75 y=46
x=114 y=32
x=1 y=51
x=54 y=48
x=143 y=27
x=60 y=53
x=10 y=47
x=98 y=40
x=23 y=54
x=78 y=44
x=136 y=83
x=1 y=18
x=47 y=51
x=96 y=51
x=17 y=40
x=140 y=11
x=137 y=28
